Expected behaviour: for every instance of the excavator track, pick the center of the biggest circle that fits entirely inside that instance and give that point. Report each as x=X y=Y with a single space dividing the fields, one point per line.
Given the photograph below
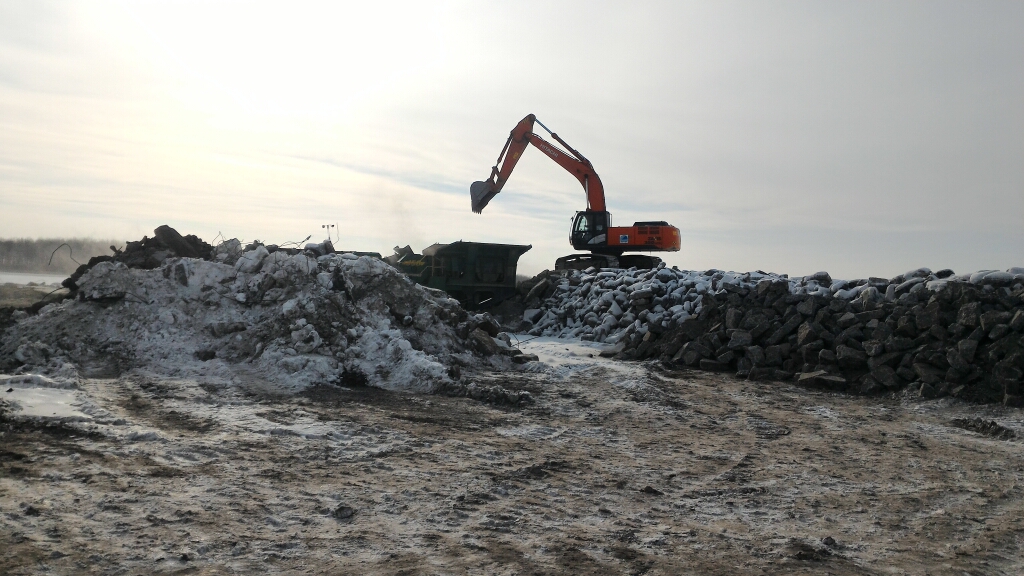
x=584 y=261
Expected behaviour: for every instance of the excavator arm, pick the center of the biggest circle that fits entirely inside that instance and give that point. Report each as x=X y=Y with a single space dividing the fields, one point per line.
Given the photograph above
x=522 y=136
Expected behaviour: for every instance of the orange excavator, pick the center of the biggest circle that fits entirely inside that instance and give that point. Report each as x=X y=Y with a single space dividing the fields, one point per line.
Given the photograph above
x=592 y=228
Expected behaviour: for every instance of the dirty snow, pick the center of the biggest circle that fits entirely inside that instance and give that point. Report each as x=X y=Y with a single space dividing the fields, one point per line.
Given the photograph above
x=295 y=320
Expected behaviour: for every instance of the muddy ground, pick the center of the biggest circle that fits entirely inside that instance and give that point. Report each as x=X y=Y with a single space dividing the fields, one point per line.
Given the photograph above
x=615 y=469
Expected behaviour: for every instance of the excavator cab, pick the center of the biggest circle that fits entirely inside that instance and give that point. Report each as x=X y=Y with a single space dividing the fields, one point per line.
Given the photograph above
x=590 y=230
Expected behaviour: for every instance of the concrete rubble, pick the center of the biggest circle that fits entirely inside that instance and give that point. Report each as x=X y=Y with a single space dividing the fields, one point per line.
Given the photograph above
x=289 y=319
x=939 y=333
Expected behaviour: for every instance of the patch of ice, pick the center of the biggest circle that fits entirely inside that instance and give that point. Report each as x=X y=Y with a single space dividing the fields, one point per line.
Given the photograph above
x=45 y=403
x=531 y=432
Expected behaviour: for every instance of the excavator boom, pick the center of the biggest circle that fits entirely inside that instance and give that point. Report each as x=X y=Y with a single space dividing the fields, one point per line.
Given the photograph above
x=592 y=228
x=522 y=136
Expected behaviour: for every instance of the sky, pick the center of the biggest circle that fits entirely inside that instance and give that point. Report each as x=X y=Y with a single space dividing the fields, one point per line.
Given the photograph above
x=861 y=138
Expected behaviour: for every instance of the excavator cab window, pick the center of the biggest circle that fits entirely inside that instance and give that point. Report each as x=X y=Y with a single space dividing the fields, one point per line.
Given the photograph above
x=582 y=224
x=589 y=226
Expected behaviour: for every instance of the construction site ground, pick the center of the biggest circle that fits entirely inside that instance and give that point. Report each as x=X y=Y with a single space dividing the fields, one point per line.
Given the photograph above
x=617 y=468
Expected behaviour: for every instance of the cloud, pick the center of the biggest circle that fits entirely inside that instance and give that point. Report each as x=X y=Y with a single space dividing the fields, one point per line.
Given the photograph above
x=879 y=136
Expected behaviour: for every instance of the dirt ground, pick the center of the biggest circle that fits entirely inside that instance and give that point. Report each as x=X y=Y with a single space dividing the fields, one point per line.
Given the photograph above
x=615 y=469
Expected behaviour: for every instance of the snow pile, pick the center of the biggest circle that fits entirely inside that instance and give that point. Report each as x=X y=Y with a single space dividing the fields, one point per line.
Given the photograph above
x=283 y=319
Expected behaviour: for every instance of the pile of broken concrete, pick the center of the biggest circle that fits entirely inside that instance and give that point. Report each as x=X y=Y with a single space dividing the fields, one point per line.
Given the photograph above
x=939 y=333
x=279 y=319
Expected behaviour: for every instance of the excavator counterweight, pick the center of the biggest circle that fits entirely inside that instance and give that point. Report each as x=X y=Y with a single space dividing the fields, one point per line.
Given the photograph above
x=592 y=229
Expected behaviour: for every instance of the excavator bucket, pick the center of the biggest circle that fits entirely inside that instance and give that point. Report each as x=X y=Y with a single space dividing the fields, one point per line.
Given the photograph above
x=481 y=193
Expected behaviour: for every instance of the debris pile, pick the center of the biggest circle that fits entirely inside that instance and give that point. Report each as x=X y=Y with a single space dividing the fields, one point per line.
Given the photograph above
x=282 y=319
x=149 y=253
x=941 y=333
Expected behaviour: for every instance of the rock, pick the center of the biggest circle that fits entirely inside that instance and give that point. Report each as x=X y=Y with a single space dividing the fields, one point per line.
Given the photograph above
x=847 y=320
x=524 y=358
x=756 y=355
x=809 y=351
x=990 y=319
x=870 y=298
x=712 y=365
x=967 y=348
x=808 y=332
x=733 y=316
x=898 y=344
x=488 y=324
x=343 y=512
x=205 y=354
x=850 y=358
x=740 y=339
x=1007 y=374
x=689 y=357
x=907 y=285
x=643 y=294
x=886 y=376
x=928 y=373
x=822 y=378
x=927 y=391
x=805 y=377
x=906 y=373
x=906 y=326
x=873 y=348
x=181 y=273
x=869 y=385
x=826 y=356
x=808 y=307
x=531 y=315
x=306 y=339
x=890 y=359
x=998 y=278
x=865 y=317
x=773 y=356
x=928 y=317
x=227 y=252
x=998 y=331
x=820 y=277
x=250 y=262
x=759 y=328
x=743 y=366
x=615 y=310
x=218 y=329
x=1017 y=323
x=968 y=314
x=538 y=290
x=956 y=361
x=33 y=353
x=956 y=375
x=852 y=336
x=785 y=330
x=185 y=247
x=483 y=343
x=105 y=281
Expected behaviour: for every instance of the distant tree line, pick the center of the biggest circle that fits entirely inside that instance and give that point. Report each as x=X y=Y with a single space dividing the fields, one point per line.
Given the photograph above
x=27 y=255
